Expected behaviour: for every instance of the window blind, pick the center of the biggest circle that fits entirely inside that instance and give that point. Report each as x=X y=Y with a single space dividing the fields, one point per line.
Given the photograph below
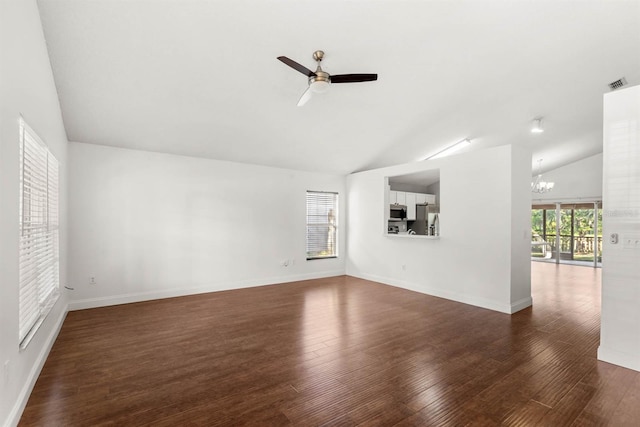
x=39 y=249
x=322 y=224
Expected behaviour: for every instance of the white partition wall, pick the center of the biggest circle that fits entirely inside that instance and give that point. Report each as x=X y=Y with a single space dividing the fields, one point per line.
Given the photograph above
x=620 y=323
x=482 y=255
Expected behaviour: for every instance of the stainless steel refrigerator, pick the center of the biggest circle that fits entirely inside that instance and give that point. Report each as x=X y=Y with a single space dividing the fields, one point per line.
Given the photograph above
x=427 y=221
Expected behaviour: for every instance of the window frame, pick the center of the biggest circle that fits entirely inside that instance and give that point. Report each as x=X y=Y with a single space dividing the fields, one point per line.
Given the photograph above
x=330 y=201
x=39 y=249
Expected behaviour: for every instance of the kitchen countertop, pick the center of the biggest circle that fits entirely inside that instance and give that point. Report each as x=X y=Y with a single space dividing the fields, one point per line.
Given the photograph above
x=404 y=234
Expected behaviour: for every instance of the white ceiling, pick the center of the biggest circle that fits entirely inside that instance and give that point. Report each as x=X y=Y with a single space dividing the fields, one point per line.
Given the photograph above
x=423 y=178
x=200 y=77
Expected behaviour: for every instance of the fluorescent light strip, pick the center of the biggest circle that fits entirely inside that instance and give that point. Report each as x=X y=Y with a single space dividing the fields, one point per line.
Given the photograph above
x=451 y=149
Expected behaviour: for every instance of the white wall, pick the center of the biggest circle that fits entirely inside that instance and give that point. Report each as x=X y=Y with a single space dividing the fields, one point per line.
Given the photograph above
x=520 y=216
x=575 y=182
x=27 y=88
x=620 y=317
x=149 y=225
x=482 y=256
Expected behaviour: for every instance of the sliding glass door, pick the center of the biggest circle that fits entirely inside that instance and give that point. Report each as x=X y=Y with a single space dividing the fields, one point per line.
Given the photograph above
x=587 y=244
x=567 y=233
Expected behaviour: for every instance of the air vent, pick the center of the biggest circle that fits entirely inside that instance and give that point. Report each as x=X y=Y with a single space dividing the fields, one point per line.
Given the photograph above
x=618 y=84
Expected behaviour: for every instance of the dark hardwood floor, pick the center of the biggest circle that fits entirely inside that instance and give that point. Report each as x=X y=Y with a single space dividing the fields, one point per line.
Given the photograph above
x=338 y=351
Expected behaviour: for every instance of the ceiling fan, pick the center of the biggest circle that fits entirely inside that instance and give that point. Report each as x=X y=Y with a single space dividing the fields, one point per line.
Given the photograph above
x=320 y=80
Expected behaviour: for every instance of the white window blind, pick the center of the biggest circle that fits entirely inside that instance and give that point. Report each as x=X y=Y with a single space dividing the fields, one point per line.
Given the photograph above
x=39 y=253
x=322 y=224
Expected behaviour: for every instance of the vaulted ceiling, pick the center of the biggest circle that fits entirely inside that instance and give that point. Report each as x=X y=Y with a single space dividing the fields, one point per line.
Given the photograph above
x=200 y=77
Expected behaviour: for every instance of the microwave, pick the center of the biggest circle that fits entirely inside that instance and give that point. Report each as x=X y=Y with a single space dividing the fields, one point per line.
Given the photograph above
x=397 y=213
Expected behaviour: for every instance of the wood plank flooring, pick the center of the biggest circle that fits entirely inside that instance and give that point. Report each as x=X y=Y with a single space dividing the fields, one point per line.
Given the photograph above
x=340 y=352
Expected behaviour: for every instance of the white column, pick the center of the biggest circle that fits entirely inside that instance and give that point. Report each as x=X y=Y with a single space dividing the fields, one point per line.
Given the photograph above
x=620 y=319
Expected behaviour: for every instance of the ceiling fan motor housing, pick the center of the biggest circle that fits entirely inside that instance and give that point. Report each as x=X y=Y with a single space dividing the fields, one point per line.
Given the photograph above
x=320 y=82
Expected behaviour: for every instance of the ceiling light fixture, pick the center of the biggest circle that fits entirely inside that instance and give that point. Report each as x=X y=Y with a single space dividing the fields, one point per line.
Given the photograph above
x=319 y=84
x=451 y=149
x=537 y=125
x=538 y=185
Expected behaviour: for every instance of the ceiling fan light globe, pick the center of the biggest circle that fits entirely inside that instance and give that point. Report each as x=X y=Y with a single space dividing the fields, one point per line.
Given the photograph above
x=319 y=86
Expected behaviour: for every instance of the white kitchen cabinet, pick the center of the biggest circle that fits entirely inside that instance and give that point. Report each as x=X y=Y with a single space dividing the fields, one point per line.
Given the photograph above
x=411 y=206
x=410 y=199
x=422 y=198
x=397 y=197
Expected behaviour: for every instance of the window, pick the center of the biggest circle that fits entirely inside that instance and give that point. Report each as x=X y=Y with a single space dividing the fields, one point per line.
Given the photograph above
x=39 y=254
x=322 y=224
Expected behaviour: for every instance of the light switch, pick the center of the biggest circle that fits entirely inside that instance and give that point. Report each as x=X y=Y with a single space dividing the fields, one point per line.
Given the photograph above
x=631 y=242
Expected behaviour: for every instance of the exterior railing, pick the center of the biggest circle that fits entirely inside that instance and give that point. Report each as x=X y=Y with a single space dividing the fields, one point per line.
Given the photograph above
x=570 y=246
x=574 y=244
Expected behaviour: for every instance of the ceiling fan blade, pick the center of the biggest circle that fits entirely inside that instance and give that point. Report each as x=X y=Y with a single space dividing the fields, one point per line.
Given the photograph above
x=305 y=97
x=353 y=78
x=293 y=64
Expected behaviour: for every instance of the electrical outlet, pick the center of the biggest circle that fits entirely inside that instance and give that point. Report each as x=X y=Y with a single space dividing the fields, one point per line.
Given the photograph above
x=92 y=280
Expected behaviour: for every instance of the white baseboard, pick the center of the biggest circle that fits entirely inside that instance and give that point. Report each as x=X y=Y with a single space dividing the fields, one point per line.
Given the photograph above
x=179 y=292
x=23 y=397
x=453 y=296
x=626 y=360
x=521 y=304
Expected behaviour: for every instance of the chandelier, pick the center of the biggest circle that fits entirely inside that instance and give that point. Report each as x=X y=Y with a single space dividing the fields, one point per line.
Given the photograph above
x=540 y=186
